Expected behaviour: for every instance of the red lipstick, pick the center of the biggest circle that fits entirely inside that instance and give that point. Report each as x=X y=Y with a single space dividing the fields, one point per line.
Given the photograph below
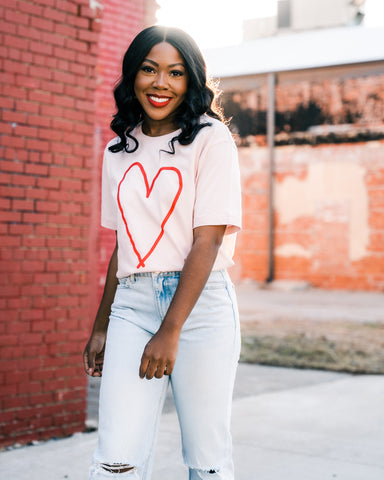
x=158 y=101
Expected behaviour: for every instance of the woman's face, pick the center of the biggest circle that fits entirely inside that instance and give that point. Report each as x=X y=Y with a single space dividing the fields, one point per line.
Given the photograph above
x=160 y=86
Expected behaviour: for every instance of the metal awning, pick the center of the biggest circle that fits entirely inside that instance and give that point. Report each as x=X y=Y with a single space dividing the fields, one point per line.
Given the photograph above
x=297 y=51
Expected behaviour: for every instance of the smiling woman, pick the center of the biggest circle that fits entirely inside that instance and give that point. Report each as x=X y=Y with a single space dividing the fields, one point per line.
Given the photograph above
x=160 y=87
x=171 y=191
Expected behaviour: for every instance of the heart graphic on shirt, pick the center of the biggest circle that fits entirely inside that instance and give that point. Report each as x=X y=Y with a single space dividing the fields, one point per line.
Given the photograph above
x=149 y=188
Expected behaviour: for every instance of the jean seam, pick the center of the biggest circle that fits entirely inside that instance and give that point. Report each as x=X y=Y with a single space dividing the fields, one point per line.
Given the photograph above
x=155 y=427
x=234 y=362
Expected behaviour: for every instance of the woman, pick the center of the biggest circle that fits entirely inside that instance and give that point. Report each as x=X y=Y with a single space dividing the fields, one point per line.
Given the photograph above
x=171 y=191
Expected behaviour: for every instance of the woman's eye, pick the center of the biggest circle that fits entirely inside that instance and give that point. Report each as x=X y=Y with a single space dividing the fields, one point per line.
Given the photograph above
x=147 y=69
x=177 y=73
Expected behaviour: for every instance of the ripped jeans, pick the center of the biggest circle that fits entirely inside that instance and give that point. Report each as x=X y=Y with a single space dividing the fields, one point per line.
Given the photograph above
x=202 y=379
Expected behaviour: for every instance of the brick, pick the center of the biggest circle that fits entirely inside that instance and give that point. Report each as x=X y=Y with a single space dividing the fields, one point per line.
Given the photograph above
x=5 y=204
x=40 y=121
x=17 y=117
x=51 y=111
x=39 y=96
x=31 y=8
x=46 y=157
x=5 y=178
x=88 y=36
x=7 y=166
x=7 y=27
x=78 y=69
x=57 y=267
x=15 y=42
x=7 y=103
x=34 y=218
x=64 y=58
x=50 y=183
x=51 y=86
x=71 y=184
x=66 y=6
x=54 y=14
x=36 y=169
x=25 y=131
x=63 y=101
x=28 y=107
x=66 y=31
x=9 y=340
x=12 y=66
x=78 y=21
x=76 y=45
x=23 y=180
x=13 y=16
x=23 y=205
x=7 y=129
x=49 y=207
x=42 y=24
x=14 y=192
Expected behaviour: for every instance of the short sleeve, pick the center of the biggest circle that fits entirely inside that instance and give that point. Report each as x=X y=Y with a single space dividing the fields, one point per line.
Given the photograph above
x=218 y=191
x=108 y=200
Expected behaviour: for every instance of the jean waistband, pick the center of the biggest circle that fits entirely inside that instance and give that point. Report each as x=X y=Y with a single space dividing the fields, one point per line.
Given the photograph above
x=214 y=276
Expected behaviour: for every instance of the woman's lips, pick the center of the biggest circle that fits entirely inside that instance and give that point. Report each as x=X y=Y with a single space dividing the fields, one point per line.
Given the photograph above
x=157 y=101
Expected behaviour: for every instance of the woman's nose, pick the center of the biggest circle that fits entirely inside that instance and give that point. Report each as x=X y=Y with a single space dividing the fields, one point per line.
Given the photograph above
x=161 y=80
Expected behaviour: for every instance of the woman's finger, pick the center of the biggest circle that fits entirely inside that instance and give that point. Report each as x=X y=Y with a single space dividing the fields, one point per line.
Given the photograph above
x=161 y=369
x=151 y=370
x=89 y=362
x=143 y=366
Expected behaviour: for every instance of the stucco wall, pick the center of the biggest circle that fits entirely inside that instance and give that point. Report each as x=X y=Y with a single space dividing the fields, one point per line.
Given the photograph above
x=329 y=215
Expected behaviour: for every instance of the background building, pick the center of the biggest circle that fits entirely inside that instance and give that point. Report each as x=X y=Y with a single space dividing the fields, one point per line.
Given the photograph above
x=313 y=184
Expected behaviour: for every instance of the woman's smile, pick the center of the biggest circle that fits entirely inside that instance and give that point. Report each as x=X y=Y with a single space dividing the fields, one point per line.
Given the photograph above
x=158 y=101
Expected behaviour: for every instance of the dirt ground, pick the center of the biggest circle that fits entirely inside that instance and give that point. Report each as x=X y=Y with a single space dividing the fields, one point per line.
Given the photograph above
x=340 y=331
x=357 y=348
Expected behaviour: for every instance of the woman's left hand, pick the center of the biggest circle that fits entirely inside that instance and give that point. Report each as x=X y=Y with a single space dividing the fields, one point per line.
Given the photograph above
x=160 y=353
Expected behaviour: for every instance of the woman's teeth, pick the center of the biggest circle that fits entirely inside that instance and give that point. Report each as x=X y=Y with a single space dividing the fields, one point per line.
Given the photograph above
x=158 y=101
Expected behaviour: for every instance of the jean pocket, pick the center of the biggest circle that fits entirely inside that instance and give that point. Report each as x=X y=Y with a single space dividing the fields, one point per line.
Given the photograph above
x=216 y=285
x=126 y=282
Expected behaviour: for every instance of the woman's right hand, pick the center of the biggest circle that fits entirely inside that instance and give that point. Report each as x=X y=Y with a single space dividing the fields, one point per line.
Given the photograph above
x=93 y=355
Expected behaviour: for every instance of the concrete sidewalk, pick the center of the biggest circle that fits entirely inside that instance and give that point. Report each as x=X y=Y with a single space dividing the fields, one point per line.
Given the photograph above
x=287 y=425
x=293 y=301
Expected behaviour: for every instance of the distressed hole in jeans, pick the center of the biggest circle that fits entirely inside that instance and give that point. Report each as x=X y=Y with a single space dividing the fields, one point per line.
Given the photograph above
x=117 y=467
x=203 y=474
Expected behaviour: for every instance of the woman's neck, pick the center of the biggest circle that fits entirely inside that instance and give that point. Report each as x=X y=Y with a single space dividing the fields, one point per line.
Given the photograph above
x=157 y=129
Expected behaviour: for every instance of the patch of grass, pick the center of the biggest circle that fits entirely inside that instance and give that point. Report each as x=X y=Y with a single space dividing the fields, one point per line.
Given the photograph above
x=319 y=352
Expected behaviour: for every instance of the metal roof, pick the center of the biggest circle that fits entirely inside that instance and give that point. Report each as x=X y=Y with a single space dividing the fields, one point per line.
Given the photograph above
x=297 y=51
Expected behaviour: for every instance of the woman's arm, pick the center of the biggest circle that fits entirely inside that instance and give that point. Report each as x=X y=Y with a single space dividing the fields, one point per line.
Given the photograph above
x=93 y=355
x=160 y=352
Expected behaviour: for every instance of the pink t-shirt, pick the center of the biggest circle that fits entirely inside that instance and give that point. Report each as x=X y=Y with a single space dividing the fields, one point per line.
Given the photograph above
x=154 y=199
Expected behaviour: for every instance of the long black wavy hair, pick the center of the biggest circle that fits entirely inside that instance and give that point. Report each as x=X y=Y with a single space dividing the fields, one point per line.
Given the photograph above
x=201 y=96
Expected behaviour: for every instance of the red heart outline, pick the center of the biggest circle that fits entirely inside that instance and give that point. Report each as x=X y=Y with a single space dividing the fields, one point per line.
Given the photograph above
x=149 y=190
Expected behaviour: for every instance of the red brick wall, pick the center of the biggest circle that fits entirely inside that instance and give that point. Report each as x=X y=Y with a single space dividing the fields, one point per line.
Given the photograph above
x=50 y=156
x=329 y=211
x=115 y=38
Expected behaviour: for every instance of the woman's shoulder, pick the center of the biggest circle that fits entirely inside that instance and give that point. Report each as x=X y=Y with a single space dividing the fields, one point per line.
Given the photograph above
x=216 y=129
x=111 y=142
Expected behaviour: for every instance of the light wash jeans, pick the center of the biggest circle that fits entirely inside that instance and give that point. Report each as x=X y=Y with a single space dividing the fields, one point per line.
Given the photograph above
x=202 y=379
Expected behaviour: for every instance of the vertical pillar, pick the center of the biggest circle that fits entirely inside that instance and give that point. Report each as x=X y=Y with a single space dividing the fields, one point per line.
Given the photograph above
x=271 y=79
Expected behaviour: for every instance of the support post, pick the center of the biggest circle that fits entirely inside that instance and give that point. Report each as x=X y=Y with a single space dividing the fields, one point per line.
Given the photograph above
x=271 y=164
